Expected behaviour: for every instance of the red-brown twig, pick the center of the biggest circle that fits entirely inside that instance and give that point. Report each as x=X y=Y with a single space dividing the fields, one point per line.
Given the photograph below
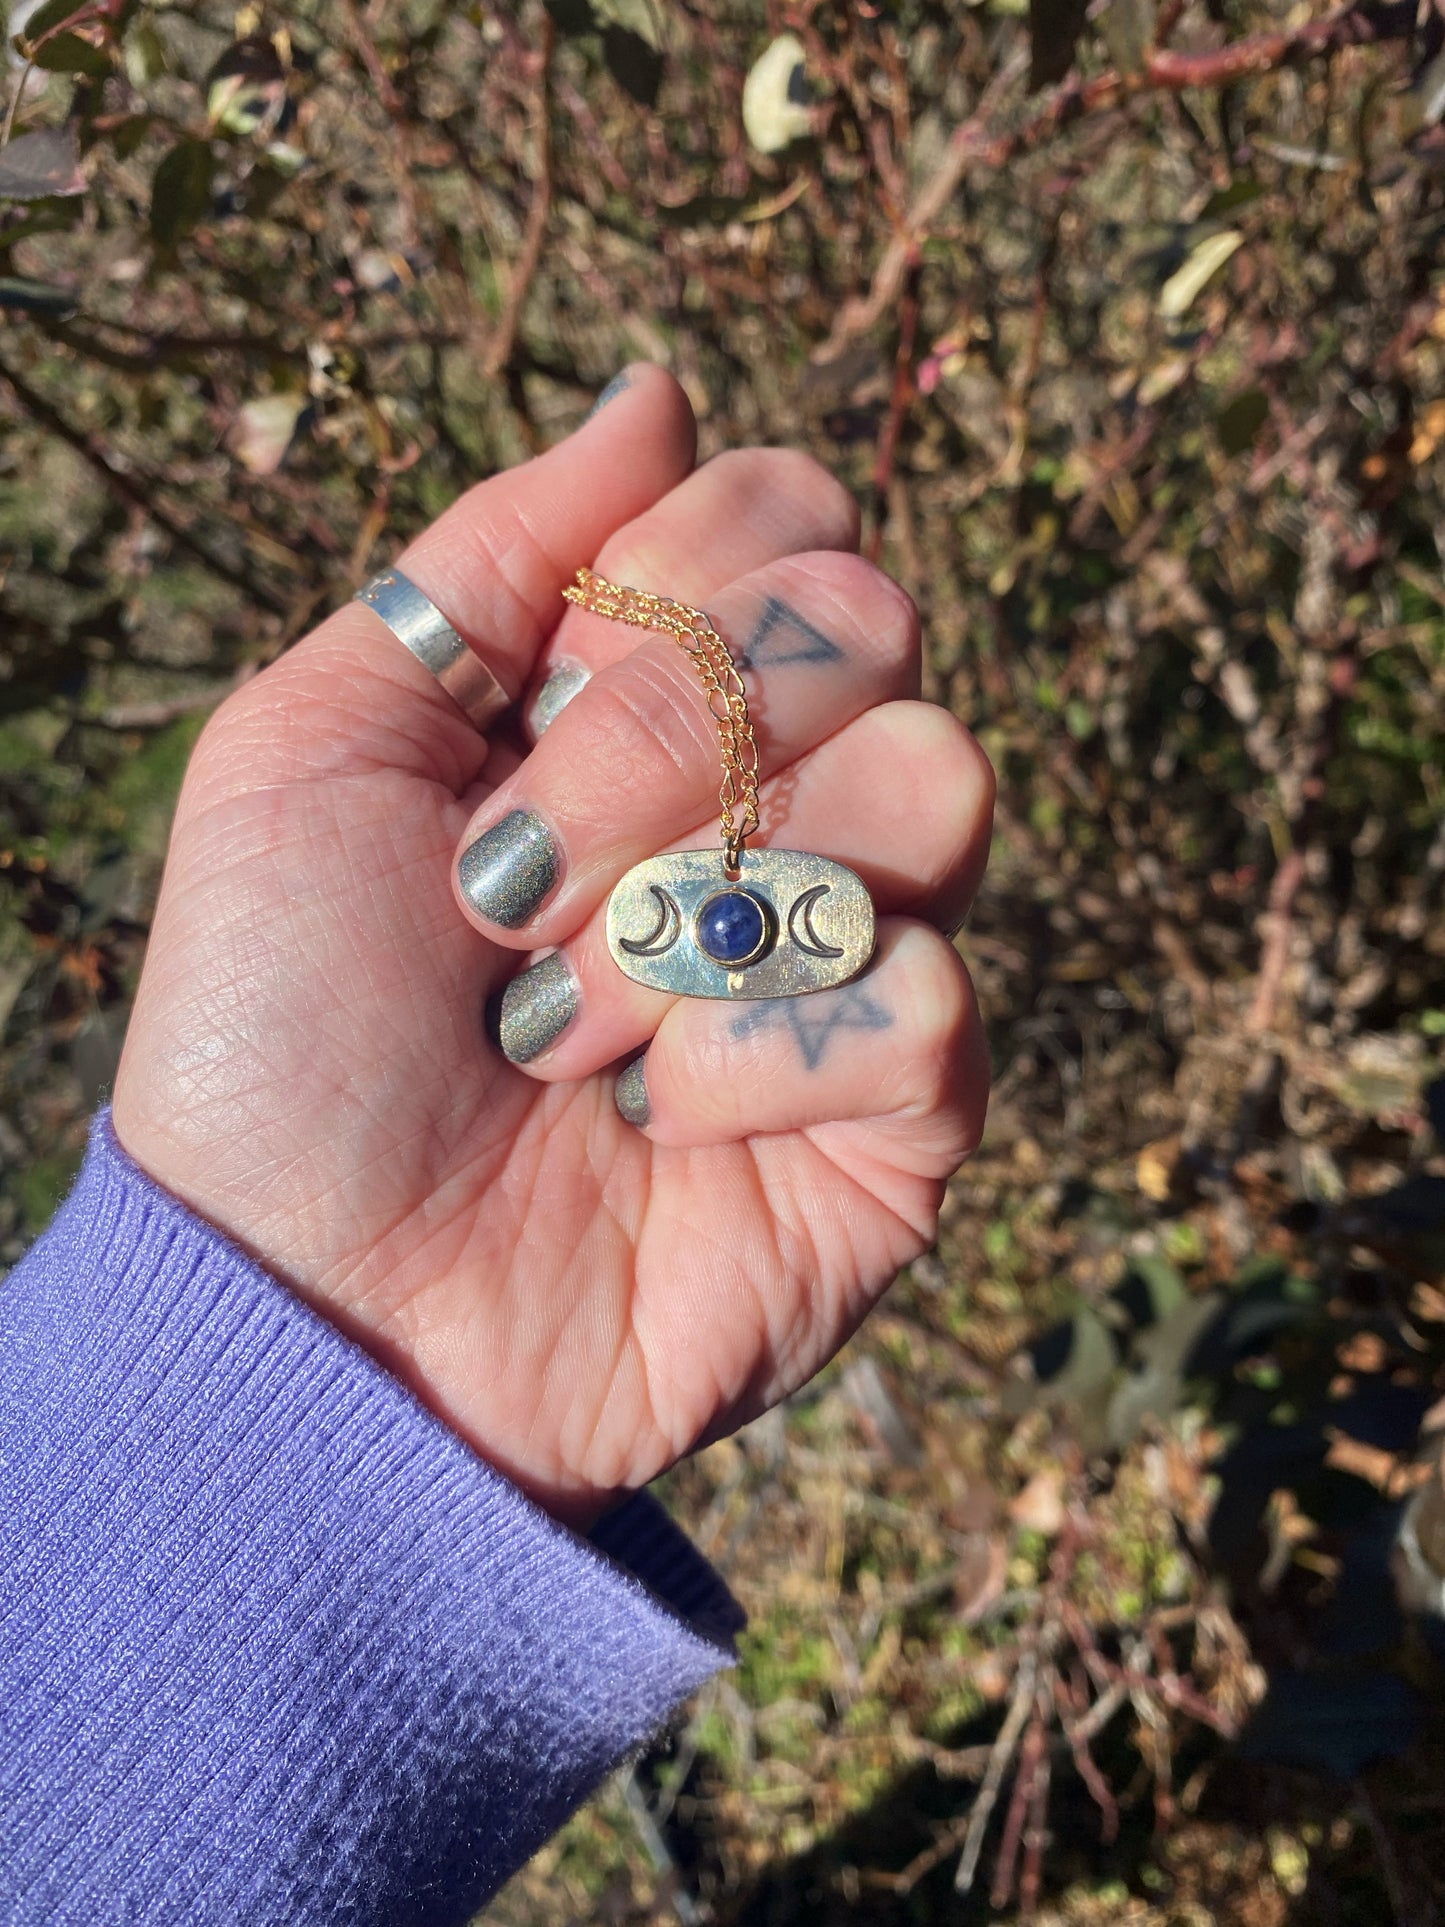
x=1020 y=1706
x=504 y=340
x=897 y=406
x=1033 y=1759
x=1079 y=1731
x=1036 y=1834
x=976 y=143
x=1315 y=752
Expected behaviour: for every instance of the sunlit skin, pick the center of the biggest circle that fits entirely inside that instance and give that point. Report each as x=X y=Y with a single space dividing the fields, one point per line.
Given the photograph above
x=308 y=1065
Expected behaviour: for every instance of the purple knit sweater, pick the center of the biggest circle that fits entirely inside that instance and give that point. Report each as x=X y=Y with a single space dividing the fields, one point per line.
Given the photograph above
x=275 y=1647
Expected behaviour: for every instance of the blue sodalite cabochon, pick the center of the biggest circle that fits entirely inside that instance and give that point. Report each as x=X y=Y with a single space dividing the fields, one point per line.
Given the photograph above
x=731 y=927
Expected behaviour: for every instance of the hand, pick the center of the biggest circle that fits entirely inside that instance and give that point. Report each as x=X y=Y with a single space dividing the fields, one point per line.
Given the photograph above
x=582 y=1297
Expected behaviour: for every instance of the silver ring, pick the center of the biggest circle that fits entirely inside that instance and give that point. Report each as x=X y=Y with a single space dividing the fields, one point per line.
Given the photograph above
x=418 y=624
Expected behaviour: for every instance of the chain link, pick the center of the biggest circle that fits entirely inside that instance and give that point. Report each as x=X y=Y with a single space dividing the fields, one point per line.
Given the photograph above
x=727 y=699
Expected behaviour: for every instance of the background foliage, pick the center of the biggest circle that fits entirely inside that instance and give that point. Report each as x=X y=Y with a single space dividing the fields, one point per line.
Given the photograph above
x=1082 y=1570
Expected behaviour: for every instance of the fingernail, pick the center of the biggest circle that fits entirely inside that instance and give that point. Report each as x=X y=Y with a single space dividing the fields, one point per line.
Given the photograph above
x=610 y=393
x=537 y=1006
x=630 y=1093
x=510 y=868
x=555 y=694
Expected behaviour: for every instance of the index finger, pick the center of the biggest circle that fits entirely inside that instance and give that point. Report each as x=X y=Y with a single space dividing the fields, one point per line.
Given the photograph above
x=352 y=697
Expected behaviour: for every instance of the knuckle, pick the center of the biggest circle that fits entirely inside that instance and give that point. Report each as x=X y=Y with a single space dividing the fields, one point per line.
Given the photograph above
x=941 y=998
x=816 y=507
x=959 y=776
x=647 y=711
x=479 y=539
x=941 y=783
x=867 y=603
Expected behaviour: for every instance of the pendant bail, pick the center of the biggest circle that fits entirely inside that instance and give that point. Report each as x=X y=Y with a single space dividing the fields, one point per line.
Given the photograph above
x=733 y=847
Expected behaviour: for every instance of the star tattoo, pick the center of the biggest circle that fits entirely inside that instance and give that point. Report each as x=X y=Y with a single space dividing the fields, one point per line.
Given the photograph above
x=850 y=1008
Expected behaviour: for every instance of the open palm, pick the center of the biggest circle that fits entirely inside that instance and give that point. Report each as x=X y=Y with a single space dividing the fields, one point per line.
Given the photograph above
x=310 y=1064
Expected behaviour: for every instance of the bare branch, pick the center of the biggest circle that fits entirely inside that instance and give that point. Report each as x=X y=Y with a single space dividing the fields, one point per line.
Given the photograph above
x=505 y=339
x=975 y=143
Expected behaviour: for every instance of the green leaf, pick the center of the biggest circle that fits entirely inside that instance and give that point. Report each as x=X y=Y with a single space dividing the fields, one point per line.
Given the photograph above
x=1424 y=105
x=640 y=17
x=1163 y=1281
x=1054 y=29
x=1238 y=194
x=1154 y=1385
x=129 y=134
x=1240 y=420
x=246 y=89
x=43 y=217
x=572 y=17
x=145 y=53
x=633 y=64
x=1092 y=1356
x=35 y=297
x=1128 y=30
x=181 y=193
x=68 y=53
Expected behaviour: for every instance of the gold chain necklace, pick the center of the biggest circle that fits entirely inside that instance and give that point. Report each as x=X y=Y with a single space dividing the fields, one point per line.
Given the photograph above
x=779 y=923
x=727 y=699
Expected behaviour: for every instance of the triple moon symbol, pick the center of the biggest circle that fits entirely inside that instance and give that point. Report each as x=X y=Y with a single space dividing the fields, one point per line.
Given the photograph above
x=800 y=924
x=669 y=928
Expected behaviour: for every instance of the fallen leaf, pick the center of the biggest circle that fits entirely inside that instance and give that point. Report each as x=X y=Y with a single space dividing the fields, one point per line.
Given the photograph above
x=775 y=97
x=1186 y=284
x=1154 y=1168
x=1040 y=1506
x=264 y=429
x=982 y=1577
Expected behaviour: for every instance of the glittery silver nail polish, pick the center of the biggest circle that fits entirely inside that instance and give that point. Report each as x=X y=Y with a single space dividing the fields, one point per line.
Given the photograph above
x=630 y=1093
x=510 y=868
x=537 y=1007
x=610 y=393
x=555 y=694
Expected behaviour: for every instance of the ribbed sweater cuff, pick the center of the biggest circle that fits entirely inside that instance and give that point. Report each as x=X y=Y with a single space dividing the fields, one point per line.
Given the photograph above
x=274 y=1645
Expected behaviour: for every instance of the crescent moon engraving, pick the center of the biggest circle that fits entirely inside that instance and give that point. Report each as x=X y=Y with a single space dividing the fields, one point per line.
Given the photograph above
x=800 y=924
x=664 y=936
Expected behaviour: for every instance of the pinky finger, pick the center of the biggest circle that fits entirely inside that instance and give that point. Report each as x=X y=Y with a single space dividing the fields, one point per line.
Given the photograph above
x=901 y=1047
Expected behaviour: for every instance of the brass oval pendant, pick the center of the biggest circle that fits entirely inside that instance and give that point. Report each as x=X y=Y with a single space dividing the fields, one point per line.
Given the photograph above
x=790 y=923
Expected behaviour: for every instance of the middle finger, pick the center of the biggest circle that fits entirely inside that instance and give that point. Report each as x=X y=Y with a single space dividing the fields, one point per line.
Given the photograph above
x=635 y=757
